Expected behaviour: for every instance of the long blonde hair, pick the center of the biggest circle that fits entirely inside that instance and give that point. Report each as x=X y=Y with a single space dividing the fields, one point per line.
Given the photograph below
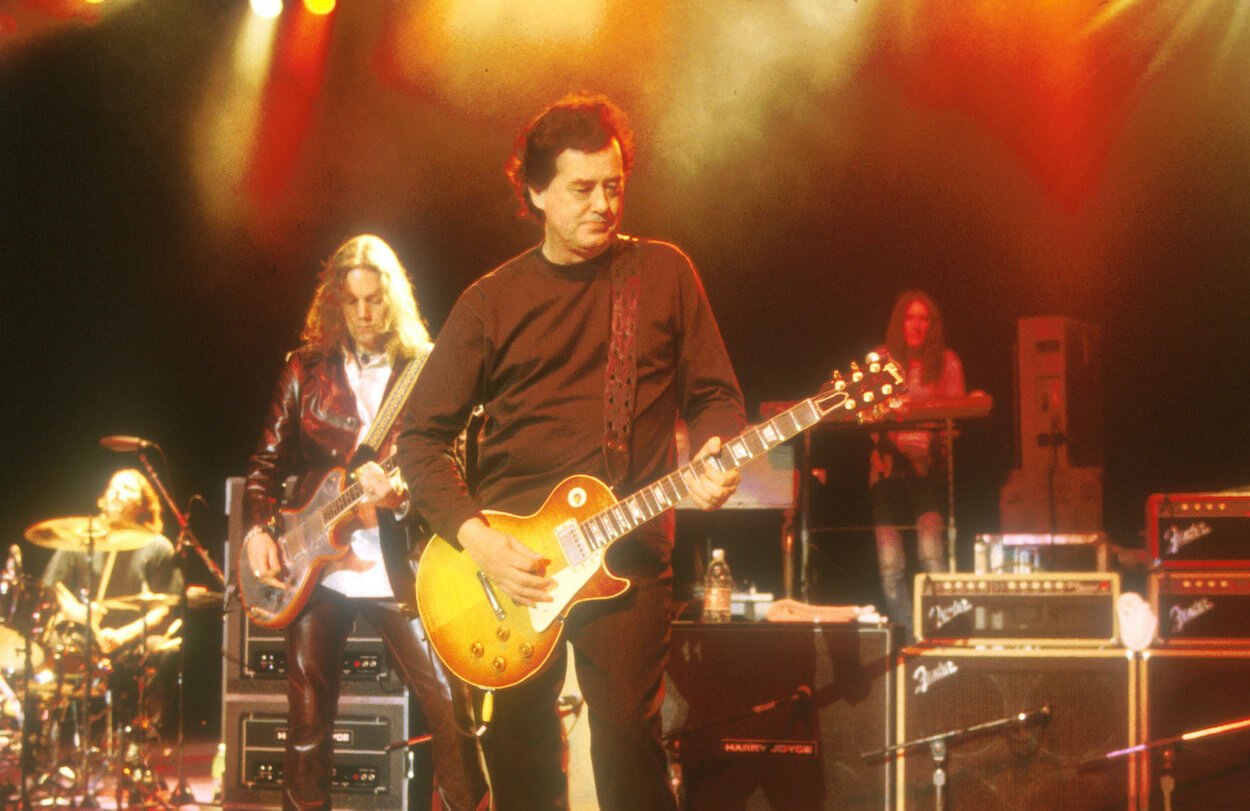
x=325 y=329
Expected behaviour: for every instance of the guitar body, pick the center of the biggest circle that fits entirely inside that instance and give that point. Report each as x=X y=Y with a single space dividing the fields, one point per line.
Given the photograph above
x=308 y=545
x=492 y=643
x=478 y=632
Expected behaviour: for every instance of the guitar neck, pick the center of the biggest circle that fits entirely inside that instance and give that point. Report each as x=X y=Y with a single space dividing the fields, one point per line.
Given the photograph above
x=631 y=512
x=347 y=500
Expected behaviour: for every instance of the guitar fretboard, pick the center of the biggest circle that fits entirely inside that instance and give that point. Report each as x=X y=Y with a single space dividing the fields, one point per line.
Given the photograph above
x=624 y=516
x=346 y=500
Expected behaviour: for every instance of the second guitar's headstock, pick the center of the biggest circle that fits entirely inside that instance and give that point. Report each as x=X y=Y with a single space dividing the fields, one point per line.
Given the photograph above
x=863 y=393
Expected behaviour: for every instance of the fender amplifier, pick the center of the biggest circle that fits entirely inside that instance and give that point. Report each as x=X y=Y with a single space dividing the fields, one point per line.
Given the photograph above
x=1202 y=608
x=1054 y=608
x=1199 y=530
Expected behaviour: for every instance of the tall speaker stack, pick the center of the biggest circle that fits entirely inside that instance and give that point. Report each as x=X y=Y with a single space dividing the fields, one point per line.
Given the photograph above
x=1058 y=484
x=1194 y=679
x=374 y=711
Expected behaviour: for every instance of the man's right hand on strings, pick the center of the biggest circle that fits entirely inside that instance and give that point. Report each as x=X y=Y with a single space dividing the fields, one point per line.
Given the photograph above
x=511 y=565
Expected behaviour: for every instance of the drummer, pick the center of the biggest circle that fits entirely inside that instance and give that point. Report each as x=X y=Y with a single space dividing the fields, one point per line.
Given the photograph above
x=128 y=502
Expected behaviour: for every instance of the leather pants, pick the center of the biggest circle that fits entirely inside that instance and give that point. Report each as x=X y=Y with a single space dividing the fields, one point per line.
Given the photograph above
x=315 y=646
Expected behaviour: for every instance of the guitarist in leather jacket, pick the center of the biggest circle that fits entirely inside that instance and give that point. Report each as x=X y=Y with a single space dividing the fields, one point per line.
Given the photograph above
x=530 y=343
x=362 y=329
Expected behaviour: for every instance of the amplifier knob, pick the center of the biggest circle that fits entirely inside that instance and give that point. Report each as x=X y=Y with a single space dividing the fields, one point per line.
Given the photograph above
x=499 y=664
x=477 y=650
x=527 y=650
x=502 y=633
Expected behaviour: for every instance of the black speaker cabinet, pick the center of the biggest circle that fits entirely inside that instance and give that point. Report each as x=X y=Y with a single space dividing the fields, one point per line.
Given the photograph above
x=776 y=716
x=1190 y=690
x=1091 y=695
x=365 y=775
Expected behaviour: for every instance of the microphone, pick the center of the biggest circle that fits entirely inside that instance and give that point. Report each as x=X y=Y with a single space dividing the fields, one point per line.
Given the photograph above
x=1041 y=716
x=125 y=444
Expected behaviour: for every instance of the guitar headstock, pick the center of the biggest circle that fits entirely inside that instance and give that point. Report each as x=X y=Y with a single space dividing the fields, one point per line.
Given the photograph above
x=863 y=393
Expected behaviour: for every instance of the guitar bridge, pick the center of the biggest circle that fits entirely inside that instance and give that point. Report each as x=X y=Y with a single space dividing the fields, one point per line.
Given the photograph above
x=490 y=596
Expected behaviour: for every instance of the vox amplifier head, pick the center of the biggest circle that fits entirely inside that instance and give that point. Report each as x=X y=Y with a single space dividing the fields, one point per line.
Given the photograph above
x=1199 y=530
x=1055 y=608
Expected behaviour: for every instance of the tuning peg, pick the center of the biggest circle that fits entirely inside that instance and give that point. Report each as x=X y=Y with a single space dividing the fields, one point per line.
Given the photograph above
x=869 y=397
x=856 y=373
x=873 y=357
x=849 y=404
x=886 y=389
x=838 y=383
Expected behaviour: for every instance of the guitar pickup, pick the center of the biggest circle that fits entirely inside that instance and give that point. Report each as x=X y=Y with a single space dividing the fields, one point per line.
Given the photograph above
x=495 y=606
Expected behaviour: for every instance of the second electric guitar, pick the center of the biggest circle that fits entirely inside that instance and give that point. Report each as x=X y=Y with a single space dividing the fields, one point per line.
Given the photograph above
x=489 y=641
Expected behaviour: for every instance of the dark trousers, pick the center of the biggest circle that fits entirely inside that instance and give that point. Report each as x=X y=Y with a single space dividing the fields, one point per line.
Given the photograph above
x=620 y=649
x=315 y=644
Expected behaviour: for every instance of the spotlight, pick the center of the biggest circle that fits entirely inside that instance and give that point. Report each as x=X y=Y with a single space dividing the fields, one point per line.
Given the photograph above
x=319 y=7
x=269 y=9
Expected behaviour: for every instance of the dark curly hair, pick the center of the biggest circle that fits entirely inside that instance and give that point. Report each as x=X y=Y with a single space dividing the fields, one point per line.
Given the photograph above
x=578 y=121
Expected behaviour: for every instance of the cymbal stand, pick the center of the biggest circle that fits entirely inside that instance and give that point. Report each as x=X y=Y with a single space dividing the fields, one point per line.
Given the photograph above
x=27 y=756
x=84 y=717
x=182 y=794
x=138 y=775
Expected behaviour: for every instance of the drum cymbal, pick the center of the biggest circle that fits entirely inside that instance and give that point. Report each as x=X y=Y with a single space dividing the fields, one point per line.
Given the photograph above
x=140 y=602
x=74 y=532
x=201 y=597
x=13 y=651
x=197 y=597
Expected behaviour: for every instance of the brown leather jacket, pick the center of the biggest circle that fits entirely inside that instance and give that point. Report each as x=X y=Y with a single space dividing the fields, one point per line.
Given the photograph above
x=310 y=428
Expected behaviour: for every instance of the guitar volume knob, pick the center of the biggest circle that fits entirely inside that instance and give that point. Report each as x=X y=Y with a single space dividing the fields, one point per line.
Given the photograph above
x=527 y=650
x=499 y=664
x=477 y=650
x=502 y=633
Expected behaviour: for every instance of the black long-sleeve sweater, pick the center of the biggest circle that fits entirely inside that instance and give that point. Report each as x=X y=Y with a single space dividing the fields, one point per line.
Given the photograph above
x=528 y=342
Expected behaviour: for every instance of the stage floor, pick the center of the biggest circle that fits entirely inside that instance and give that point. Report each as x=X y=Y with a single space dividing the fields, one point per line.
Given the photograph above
x=197 y=763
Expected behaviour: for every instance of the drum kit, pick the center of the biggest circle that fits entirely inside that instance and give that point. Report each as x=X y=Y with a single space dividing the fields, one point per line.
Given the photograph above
x=65 y=729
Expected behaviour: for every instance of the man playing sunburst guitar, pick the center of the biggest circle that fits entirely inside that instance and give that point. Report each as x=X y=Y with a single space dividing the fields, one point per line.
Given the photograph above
x=581 y=352
x=362 y=330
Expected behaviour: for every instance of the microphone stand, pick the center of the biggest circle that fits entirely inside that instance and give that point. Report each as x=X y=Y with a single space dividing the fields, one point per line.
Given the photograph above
x=673 y=741
x=182 y=794
x=937 y=745
x=1170 y=746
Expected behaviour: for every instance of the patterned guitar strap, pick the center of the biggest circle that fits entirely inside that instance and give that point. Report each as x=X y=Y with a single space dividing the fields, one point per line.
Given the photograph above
x=621 y=378
x=394 y=403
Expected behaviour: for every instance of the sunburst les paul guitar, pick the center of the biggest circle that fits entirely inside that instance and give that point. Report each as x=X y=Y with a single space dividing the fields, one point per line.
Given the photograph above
x=489 y=641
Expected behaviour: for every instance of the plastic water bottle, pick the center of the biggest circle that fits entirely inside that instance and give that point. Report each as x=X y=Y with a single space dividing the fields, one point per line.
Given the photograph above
x=218 y=772
x=718 y=587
